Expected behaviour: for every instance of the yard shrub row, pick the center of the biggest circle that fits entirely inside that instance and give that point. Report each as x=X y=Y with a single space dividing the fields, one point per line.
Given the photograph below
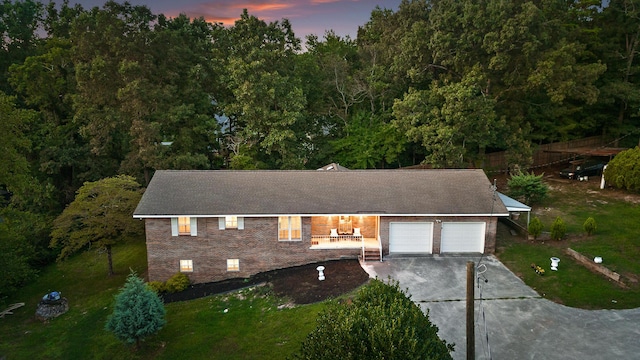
x=176 y=283
x=559 y=228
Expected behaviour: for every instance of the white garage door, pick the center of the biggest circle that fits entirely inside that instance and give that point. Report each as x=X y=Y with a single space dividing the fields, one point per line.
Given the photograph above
x=412 y=237
x=462 y=237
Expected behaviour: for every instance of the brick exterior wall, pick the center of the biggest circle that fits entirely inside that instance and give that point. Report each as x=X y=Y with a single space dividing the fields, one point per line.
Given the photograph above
x=257 y=247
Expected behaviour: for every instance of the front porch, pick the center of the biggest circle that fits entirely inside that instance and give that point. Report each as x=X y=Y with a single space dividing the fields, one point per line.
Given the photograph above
x=347 y=232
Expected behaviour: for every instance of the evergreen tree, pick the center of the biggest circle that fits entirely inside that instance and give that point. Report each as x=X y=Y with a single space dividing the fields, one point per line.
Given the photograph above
x=138 y=312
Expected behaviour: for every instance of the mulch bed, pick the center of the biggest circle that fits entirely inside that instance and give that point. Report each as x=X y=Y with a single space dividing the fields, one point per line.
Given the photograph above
x=300 y=283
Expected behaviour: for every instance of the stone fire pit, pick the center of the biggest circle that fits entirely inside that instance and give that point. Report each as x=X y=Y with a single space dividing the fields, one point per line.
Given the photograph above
x=52 y=305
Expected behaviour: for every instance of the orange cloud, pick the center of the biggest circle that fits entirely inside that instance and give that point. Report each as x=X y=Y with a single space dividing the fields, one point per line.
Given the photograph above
x=228 y=11
x=268 y=7
x=225 y=21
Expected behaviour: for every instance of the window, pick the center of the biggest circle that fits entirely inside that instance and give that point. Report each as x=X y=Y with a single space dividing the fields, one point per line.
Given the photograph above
x=233 y=264
x=289 y=228
x=186 y=265
x=184 y=225
x=231 y=222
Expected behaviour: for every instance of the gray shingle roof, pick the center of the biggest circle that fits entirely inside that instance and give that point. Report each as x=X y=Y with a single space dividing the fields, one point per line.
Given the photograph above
x=266 y=192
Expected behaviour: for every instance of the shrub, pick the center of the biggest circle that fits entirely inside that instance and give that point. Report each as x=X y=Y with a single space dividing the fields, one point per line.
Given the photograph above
x=157 y=286
x=590 y=226
x=178 y=282
x=558 y=229
x=535 y=227
x=623 y=171
x=138 y=312
x=527 y=187
x=381 y=323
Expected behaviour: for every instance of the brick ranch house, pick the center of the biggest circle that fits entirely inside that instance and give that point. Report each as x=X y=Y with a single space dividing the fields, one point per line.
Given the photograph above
x=223 y=224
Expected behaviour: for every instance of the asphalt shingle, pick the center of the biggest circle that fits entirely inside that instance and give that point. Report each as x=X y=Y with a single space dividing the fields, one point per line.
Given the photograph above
x=267 y=192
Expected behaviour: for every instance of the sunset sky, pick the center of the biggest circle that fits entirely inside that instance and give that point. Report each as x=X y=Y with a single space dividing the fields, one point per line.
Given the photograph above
x=306 y=16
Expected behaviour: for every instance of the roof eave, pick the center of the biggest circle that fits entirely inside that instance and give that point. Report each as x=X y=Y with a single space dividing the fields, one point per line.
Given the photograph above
x=164 y=216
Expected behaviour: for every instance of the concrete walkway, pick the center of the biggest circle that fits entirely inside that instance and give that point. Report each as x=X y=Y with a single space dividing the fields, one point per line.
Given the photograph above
x=520 y=324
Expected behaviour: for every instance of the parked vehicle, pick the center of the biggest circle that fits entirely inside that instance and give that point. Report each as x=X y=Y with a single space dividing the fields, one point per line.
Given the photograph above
x=581 y=169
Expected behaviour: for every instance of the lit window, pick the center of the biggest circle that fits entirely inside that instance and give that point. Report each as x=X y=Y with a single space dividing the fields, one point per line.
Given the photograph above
x=186 y=265
x=231 y=222
x=289 y=228
x=233 y=264
x=184 y=225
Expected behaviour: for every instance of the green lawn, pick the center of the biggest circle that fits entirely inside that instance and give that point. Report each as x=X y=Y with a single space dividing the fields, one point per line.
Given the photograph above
x=252 y=328
x=617 y=240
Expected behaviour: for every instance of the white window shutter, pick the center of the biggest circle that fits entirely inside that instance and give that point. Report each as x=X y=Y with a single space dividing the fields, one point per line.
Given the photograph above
x=194 y=226
x=174 y=226
x=221 y=223
x=240 y=223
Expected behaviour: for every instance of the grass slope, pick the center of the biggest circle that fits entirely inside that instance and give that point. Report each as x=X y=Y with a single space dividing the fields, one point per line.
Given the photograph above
x=617 y=240
x=252 y=327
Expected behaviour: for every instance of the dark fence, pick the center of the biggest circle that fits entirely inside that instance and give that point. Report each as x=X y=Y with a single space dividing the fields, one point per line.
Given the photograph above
x=543 y=155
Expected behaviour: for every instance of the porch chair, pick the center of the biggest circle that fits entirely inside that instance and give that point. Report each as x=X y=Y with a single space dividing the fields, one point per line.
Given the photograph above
x=334 y=235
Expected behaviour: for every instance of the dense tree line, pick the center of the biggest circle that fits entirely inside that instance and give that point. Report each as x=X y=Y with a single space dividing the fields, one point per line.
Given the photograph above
x=92 y=93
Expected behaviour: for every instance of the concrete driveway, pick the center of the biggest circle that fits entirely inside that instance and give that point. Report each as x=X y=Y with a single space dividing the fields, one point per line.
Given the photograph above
x=519 y=323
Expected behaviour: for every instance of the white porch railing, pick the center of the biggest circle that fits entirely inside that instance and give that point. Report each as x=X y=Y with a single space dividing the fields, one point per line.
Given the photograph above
x=335 y=240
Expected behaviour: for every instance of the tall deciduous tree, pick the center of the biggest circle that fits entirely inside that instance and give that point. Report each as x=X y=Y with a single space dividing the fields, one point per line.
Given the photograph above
x=528 y=53
x=100 y=216
x=46 y=82
x=368 y=143
x=618 y=44
x=266 y=99
x=15 y=173
x=455 y=122
x=106 y=42
x=138 y=312
x=19 y=24
x=167 y=95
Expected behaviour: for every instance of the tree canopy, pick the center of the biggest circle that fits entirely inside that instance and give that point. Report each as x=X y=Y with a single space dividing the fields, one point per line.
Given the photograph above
x=100 y=216
x=88 y=94
x=121 y=90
